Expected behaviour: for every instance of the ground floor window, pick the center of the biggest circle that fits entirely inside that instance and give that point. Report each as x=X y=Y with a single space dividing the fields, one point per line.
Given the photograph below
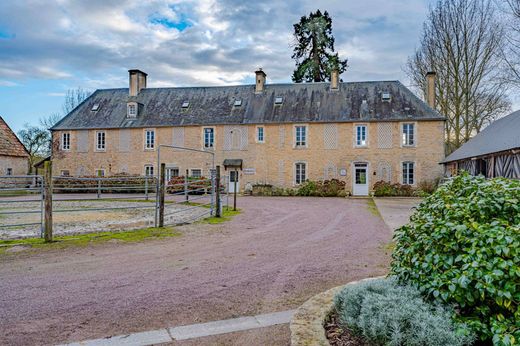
x=148 y=170
x=171 y=172
x=300 y=173
x=196 y=173
x=65 y=173
x=408 y=173
x=9 y=171
x=100 y=172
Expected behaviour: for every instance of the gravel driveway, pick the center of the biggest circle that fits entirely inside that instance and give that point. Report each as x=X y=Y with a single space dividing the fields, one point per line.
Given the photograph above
x=272 y=257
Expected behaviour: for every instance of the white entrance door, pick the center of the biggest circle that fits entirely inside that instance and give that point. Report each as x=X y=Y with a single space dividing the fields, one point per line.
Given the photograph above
x=360 y=179
x=234 y=177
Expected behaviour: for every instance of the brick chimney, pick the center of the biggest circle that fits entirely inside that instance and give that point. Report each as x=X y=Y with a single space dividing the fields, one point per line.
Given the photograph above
x=430 y=89
x=260 y=81
x=334 y=79
x=137 y=81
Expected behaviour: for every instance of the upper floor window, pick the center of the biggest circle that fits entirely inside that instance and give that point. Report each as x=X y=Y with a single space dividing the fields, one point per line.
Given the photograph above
x=132 y=110
x=408 y=173
x=408 y=134
x=209 y=137
x=300 y=174
x=149 y=139
x=101 y=140
x=260 y=134
x=361 y=135
x=65 y=141
x=301 y=136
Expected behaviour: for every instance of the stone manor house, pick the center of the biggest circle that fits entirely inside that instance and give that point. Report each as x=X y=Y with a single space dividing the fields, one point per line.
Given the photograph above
x=280 y=134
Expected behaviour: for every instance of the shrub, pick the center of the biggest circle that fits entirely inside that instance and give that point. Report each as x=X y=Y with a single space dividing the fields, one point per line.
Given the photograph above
x=322 y=188
x=385 y=189
x=196 y=186
x=388 y=314
x=117 y=183
x=462 y=247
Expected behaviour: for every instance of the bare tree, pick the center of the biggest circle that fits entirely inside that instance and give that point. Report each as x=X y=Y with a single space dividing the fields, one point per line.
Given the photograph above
x=73 y=98
x=511 y=53
x=36 y=140
x=462 y=41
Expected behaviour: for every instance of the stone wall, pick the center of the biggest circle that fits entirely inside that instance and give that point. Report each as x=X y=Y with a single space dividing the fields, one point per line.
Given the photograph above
x=19 y=165
x=330 y=152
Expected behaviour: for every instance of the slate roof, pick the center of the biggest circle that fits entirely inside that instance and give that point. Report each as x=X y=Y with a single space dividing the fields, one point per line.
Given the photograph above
x=305 y=102
x=501 y=135
x=10 y=145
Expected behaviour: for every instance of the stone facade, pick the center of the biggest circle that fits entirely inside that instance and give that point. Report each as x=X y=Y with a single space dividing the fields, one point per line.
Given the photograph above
x=330 y=151
x=14 y=165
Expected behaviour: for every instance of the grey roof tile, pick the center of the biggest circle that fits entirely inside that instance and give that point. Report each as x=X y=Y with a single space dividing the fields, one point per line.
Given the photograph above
x=305 y=102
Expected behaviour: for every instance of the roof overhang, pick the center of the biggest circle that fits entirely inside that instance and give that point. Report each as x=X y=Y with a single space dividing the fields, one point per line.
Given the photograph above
x=232 y=163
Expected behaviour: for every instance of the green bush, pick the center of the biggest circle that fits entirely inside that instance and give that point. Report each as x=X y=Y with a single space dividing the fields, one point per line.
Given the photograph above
x=322 y=188
x=384 y=189
x=386 y=313
x=462 y=248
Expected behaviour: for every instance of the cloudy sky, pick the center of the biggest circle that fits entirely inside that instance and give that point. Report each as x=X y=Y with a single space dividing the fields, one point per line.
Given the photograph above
x=48 y=47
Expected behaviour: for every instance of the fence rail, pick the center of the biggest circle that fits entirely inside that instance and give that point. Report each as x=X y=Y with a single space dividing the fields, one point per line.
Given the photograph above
x=47 y=195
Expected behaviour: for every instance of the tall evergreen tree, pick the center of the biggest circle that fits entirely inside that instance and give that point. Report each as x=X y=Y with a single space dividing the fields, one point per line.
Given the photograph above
x=314 y=49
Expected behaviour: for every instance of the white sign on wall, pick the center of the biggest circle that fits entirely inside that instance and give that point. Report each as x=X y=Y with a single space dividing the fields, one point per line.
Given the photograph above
x=249 y=171
x=343 y=172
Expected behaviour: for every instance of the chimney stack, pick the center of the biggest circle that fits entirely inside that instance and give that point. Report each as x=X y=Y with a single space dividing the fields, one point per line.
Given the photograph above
x=334 y=79
x=430 y=89
x=137 y=81
x=260 y=81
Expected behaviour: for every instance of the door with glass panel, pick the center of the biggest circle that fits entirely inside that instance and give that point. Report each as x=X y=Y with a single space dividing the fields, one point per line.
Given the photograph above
x=360 y=179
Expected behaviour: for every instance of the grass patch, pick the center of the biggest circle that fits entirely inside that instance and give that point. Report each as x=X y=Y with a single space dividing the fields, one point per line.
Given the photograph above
x=372 y=208
x=81 y=240
x=227 y=214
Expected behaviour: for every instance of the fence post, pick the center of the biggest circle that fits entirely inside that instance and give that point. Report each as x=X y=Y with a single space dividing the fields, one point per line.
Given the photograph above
x=186 y=186
x=235 y=191
x=146 y=186
x=47 y=231
x=99 y=186
x=217 y=190
x=161 y=194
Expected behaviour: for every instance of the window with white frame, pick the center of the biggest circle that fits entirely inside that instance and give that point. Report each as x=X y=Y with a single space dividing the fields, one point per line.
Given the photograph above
x=132 y=110
x=260 y=134
x=100 y=140
x=149 y=139
x=65 y=173
x=300 y=173
x=408 y=173
x=100 y=172
x=65 y=141
x=148 y=170
x=209 y=137
x=196 y=173
x=361 y=135
x=408 y=134
x=300 y=136
x=171 y=172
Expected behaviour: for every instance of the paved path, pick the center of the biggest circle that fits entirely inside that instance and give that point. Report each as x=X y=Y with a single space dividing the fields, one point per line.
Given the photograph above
x=275 y=255
x=396 y=211
x=193 y=331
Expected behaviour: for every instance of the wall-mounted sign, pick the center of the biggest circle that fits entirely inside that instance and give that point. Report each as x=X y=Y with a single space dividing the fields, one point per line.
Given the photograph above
x=343 y=172
x=249 y=171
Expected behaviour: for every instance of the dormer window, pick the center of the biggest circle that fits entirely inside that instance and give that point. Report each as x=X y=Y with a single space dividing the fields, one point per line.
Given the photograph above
x=185 y=104
x=132 y=110
x=386 y=97
x=95 y=107
x=278 y=100
x=237 y=103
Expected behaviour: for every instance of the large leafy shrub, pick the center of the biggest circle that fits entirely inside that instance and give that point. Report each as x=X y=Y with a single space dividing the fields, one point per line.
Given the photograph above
x=386 y=313
x=322 y=188
x=462 y=248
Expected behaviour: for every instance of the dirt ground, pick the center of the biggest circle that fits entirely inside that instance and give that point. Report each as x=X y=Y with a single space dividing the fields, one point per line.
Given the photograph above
x=272 y=257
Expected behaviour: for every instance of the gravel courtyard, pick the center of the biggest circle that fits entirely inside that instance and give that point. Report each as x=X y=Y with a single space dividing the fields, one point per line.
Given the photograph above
x=272 y=257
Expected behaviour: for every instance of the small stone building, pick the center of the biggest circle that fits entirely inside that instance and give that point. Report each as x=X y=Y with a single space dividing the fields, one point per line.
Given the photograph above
x=14 y=158
x=282 y=134
x=494 y=152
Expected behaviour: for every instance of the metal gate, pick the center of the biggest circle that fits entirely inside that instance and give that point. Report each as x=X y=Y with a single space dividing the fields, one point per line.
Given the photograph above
x=21 y=204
